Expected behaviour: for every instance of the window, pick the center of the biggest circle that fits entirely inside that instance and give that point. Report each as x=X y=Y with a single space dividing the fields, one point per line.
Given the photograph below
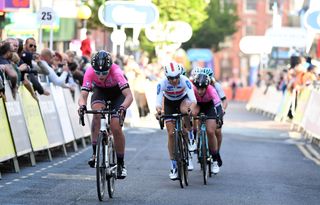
x=251 y=5
x=250 y=30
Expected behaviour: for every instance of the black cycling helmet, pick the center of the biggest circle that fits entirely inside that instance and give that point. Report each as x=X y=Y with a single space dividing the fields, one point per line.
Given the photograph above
x=201 y=80
x=101 y=61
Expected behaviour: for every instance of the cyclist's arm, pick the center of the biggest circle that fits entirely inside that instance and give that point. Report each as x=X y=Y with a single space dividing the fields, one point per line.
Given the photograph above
x=221 y=94
x=160 y=88
x=83 y=98
x=128 y=97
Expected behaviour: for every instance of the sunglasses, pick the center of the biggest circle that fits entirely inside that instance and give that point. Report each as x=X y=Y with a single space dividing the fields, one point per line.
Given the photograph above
x=172 y=78
x=101 y=72
x=32 y=45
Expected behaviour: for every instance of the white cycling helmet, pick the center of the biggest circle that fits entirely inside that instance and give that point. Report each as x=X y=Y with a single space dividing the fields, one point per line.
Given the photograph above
x=172 y=69
x=195 y=71
x=207 y=71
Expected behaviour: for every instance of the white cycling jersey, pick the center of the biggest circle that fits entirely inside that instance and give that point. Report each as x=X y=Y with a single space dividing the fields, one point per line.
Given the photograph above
x=220 y=91
x=184 y=87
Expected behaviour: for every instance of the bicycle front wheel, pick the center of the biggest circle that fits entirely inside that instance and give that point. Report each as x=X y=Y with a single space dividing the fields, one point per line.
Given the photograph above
x=101 y=166
x=178 y=157
x=204 y=164
x=112 y=167
x=185 y=154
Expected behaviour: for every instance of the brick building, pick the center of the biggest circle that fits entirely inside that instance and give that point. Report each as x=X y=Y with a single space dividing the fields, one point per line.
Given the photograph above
x=255 y=18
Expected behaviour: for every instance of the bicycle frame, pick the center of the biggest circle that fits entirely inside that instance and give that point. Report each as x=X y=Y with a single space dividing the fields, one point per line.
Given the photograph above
x=181 y=152
x=203 y=148
x=105 y=153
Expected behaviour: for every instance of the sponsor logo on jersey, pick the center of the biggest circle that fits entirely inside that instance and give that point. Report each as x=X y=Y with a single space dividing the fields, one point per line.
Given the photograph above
x=158 y=89
x=188 y=84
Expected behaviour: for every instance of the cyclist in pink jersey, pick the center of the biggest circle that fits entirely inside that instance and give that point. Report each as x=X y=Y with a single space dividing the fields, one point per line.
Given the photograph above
x=207 y=100
x=107 y=82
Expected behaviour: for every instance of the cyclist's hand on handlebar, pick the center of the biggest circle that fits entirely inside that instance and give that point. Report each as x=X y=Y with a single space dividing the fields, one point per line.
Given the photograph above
x=82 y=110
x=190 y=113
x=121 y=113
x=158 y=115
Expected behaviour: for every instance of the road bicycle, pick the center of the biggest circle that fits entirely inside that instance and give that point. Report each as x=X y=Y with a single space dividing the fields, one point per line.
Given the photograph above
x=106 y=160
x=204 y=156
x=181 y=152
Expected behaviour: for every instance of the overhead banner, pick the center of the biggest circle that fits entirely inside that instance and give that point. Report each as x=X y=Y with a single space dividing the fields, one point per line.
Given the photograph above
x=51 y=119
x=6 y=145
x=37 y=132
x=17 y=123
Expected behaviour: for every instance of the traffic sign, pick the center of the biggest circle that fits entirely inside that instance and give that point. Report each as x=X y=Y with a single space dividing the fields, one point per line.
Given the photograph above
x=199 y=54
x=173 y=31
x=255 y=45
x=287 y=37
x=312 y=20
x=128 y=14
x=46 y=16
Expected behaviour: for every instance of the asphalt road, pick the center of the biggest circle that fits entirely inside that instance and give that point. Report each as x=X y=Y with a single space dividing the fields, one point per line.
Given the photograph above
x=263 y=163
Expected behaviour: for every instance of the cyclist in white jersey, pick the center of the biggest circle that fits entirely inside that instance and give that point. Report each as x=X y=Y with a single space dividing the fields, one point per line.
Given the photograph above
x=177 y=91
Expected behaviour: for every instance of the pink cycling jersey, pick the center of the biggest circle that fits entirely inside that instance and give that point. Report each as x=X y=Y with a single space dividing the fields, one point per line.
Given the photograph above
x=210 y=95
x=114 y=78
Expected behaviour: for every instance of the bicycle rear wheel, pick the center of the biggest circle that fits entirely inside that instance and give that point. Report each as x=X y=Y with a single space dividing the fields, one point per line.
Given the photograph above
x=101 y=166
x=112 y=167
x=204 y=164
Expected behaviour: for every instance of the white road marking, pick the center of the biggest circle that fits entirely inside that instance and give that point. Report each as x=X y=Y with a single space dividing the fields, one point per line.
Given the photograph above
x=307 y=154
x=313 y=151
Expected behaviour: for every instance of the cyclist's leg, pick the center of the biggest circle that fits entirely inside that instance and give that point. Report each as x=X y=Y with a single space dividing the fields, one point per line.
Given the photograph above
x=218 y=134
x=211 y=125
x=184 y=106
x=171 y=107
x=213 y=144
x=119 y=138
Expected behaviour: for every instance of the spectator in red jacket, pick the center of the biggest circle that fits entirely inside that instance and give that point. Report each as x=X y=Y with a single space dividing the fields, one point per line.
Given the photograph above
x=86 y=46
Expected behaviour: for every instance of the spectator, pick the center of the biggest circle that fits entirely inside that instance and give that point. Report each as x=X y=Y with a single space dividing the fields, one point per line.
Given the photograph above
x=310 y=76
x=29 y=55
x=46 y=61
x=86 y=46
x=6 y=52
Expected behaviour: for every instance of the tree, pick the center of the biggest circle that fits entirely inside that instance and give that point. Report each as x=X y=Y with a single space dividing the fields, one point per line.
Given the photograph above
x=93 y=21
x=190 y=11
x=221 y=22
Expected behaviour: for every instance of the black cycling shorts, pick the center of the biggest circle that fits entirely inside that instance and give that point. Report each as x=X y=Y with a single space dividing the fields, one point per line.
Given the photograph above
x=208 y=109
x=102 y=95
x=172 y=106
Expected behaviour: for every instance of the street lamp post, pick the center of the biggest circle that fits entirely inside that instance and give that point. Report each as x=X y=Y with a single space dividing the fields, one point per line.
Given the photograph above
x=84 y=13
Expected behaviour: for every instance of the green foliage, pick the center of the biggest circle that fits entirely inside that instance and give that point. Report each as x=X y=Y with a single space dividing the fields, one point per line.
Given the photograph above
x=220 y=23
x=190 y=11
x=93 y=21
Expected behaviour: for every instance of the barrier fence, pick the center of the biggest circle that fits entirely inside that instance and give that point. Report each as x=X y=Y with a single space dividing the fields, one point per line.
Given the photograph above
x=304 y=107
x=28 y=126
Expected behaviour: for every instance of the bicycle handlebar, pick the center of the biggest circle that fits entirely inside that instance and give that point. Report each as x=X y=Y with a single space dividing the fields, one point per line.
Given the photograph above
x=174 y=115
x=101 y=112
